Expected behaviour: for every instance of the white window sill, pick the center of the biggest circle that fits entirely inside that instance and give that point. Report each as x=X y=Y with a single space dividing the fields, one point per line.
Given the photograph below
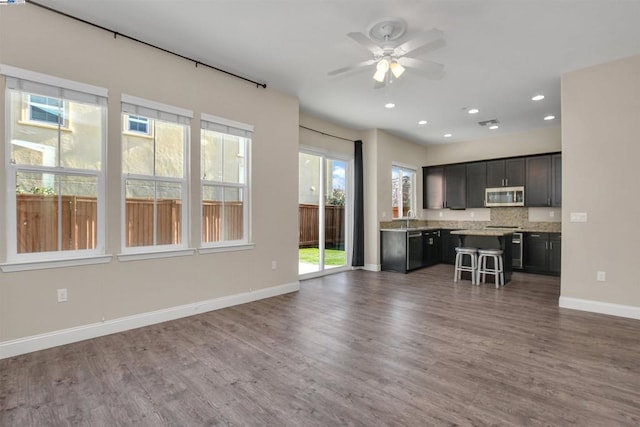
x=138 y=256
x=11 y=267
x=227 y=248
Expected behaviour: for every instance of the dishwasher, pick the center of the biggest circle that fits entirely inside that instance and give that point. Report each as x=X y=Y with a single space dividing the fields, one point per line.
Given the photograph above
x=415 y=248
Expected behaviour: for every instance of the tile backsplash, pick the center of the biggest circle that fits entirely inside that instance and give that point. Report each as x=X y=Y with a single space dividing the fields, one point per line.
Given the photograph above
x=532 y=219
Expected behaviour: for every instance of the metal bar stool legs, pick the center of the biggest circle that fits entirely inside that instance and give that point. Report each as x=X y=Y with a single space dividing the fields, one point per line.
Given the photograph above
x=460 y=267
x=498 y=266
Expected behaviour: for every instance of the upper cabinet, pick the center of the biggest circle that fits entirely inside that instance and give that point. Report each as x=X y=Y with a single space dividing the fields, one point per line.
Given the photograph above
x=506 y=173
x=444 y=187
x=476 y=183
x=544 y=181
x=462 y=185
x=556 y=180
x=455 y=184
x=433 y=187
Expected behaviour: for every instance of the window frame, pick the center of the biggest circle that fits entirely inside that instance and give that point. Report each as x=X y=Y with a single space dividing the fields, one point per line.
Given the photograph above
x=245 y=133
x=27 y=83
x=412 y=197
x=167 y=113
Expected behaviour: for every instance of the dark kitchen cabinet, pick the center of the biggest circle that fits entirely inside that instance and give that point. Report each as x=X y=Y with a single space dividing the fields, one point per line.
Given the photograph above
x=556 y=180
x=476 y=183
x=402 y=251
x=433 y=187
x=506 y=173
x=541 y=253
x=432 y=249
x=538 y=182
x=448 y=243
x=544 y=181
x=455 y=183
x=555 y=249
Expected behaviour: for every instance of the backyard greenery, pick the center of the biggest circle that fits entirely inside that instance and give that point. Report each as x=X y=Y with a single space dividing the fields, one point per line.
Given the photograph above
x=331 y=256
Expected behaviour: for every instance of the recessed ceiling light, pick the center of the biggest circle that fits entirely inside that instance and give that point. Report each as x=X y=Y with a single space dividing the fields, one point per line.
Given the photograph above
x=422 y=122
x=494 y=127
x=473 y=111
x=537 y=98
x=448 y=135
x=549 y=117
x=389 y=105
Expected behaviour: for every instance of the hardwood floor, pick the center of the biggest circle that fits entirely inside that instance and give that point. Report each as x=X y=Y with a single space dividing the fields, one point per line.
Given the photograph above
x=356 y=348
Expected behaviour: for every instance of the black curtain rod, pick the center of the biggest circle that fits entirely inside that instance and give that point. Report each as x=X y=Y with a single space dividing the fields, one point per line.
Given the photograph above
x=116 y=34
x=326 y=134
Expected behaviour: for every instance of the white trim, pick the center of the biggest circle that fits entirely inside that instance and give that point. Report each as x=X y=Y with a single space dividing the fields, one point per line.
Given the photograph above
x=226 y=248
x=371 y=267
x=94 y=330
x=11 y=267
x=34 y=76
x=405 y=166
x=130 y=99
x=325 y=272
x=222 y=121
x=619 y=310
x=155 y=254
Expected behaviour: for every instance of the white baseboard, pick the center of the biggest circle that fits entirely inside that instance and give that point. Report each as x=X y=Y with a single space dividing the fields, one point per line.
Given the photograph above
x=94 y=330
x=372 y=267
x=619 y=310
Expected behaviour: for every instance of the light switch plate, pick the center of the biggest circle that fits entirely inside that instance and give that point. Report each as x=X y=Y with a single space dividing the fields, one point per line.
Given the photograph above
x=578 y=217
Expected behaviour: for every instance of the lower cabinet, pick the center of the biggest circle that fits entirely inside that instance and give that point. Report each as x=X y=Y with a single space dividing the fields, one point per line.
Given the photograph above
x=541 y=253
x=448 y=243
x=404 y=251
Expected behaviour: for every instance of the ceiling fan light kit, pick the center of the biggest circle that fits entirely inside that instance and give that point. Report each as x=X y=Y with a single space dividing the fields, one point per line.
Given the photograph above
x=391 y=59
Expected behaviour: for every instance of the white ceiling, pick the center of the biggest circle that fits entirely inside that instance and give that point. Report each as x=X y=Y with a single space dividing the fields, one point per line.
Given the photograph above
x=499 y=53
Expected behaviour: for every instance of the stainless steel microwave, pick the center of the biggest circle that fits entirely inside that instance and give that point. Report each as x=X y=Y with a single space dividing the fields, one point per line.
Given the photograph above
x=504 y=196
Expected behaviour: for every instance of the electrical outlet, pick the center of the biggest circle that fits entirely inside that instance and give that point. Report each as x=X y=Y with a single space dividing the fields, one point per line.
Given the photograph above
x=274 y=265
x=552 y=214
x=62 y=295
x=472 y=214
x=440 y=214
x=578 y=217
x=601 y=276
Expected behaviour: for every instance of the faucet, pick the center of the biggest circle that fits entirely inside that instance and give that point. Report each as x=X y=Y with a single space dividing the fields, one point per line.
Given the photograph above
x=410 y=214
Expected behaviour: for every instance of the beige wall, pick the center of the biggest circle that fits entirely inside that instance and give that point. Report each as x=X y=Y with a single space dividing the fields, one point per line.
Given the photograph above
x=102 y=292
x=600 y=141
x=516 y=144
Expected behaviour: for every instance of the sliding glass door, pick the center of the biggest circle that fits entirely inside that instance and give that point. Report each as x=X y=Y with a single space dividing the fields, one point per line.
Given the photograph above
x=322 y=207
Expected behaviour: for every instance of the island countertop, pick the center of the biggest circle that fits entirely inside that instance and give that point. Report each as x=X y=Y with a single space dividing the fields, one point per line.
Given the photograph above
x=483 y=232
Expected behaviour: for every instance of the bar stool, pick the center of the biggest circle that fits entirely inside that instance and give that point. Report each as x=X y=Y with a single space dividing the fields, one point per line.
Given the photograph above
x=460 y=267
x=498 y=266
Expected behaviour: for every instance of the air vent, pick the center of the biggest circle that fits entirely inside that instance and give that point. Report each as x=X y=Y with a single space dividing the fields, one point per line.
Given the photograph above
x=489 y=122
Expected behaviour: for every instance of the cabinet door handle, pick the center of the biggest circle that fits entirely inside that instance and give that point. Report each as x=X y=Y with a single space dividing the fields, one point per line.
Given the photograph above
x=551 y=245
x=546 y=245
x=503 y=182
x=506 y=182
x=549 y=202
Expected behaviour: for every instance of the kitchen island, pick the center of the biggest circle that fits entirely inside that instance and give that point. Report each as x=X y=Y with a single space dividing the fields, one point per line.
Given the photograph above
x=489 y=239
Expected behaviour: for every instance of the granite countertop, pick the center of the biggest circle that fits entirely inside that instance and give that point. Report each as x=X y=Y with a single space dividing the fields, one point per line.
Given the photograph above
x=491 y=233
x=404 y=230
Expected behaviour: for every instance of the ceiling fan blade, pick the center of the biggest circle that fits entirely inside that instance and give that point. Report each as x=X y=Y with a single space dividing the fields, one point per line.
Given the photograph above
x=366 y=42
x=352 y=67
x=379 y=85
x=432 y=38
x=429 y=69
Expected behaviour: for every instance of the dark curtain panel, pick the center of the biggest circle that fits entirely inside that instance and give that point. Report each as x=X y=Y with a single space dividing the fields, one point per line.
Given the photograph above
x=358 y=200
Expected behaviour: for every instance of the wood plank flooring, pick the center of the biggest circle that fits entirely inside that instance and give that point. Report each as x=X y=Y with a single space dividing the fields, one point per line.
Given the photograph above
x=356 y=348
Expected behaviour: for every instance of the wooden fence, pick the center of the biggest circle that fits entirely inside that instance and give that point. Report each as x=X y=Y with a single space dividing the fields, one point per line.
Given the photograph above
x=37 y=223
x=333 y=223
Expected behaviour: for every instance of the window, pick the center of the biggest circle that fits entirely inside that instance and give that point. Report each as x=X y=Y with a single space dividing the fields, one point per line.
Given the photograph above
x=55 y=179
x=46 y=110
x=403 y=193
x=224 y=164
x=137 y=124
x=154 y=176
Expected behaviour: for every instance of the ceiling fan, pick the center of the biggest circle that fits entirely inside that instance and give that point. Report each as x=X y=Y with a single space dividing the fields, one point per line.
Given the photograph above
x=391 y=59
